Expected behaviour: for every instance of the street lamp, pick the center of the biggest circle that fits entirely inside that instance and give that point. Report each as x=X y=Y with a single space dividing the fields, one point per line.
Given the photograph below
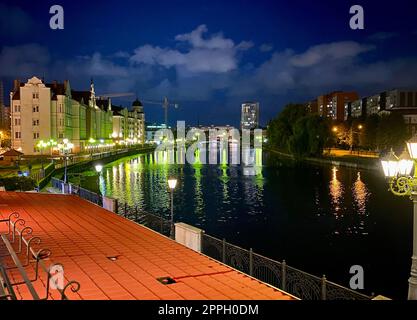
x=65 y=147
x=98 y=168
x=41 y=146
x=402 y=183
x=172 y=182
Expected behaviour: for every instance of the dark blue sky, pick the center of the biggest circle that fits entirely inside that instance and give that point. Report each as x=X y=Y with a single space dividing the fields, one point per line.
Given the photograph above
x=209 y=56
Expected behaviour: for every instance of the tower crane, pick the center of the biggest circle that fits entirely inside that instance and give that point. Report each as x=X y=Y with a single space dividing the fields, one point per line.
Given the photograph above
x=165 y=104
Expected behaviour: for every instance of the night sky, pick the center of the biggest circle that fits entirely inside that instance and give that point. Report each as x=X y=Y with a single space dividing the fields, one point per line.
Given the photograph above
x=210 y=56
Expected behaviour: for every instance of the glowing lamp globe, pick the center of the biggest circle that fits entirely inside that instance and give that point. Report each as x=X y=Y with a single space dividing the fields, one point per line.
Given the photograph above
x=412 y=147
x=405 y=164
x=390 y=165
x=172 y=183
x=99 y=168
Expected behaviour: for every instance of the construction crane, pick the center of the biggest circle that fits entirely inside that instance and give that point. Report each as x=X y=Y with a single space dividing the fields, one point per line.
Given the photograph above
x=165 y=104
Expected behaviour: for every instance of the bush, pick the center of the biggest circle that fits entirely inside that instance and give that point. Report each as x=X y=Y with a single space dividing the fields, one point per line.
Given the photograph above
x=18 y=183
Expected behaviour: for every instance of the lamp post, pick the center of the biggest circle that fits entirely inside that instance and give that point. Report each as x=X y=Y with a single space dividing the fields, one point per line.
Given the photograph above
x=98 y=168
x=65 y=147
x=172 y=182
x=41 y=146
x=402 y=183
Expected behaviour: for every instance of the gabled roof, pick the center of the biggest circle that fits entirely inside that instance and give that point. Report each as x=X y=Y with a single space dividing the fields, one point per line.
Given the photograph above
x=12 y=153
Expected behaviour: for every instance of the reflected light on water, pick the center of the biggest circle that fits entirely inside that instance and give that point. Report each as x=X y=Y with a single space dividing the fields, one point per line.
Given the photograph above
x=336 y=192
x=360 y=195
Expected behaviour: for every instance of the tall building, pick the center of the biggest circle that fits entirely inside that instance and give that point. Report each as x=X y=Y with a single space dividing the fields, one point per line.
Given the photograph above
x=250 y=115
x=41 y=111
x=332 y=105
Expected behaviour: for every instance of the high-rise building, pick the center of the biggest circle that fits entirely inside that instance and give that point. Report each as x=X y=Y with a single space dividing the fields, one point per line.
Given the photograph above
x=332 y=105
x=250 y=115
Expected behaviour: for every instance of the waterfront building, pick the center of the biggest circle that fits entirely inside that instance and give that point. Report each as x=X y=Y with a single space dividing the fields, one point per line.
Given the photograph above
x=53 y=111
x=129 y=126
x=250 y=115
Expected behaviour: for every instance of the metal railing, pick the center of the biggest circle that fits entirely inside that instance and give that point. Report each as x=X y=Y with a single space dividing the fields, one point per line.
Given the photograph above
x=152 y=221
x=77 y=190
x=278 y=274
x=21 y=236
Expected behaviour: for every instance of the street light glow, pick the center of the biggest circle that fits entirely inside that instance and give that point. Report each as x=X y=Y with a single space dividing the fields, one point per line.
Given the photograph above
x=412 y=147
x=405 y=165
x=99 y=168
x=172 y=182
x=390 y=165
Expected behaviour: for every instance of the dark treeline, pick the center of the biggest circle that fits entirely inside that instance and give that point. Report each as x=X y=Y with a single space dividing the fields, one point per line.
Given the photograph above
x=296 y=131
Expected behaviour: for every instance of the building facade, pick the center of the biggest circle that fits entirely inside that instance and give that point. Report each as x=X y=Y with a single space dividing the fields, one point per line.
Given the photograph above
x=41 y=111
x=250 y=115
x=129 y=126
x=332 y=105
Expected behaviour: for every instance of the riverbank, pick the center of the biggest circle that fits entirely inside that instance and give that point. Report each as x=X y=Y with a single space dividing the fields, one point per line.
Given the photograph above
x=350 y=161
x=104 y=158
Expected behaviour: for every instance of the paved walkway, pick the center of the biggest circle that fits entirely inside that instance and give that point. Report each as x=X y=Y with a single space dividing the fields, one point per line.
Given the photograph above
x=114 y=258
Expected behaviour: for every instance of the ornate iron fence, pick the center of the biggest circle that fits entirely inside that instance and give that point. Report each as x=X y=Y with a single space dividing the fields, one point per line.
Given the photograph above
x=152 y=221
x=278 y=274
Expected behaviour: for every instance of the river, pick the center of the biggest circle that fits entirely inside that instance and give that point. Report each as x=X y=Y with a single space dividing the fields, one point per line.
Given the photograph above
x=320 y=219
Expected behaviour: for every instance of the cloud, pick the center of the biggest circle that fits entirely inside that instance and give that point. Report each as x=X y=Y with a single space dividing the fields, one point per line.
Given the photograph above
x=215 y=53
x=266 y=47
x=96 y=65
x=381 y=36
x=24 y=60
x=330 y=51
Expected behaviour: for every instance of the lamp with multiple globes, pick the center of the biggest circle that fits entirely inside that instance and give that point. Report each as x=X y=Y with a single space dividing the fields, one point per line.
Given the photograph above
x=402 y=183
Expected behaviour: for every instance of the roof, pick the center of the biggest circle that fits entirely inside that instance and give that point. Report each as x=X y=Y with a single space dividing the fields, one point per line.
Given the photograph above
x=102 y=103
x=81 y=96
x=137 y=103
x=83 y=237
x=57 y=89
x=12 y=153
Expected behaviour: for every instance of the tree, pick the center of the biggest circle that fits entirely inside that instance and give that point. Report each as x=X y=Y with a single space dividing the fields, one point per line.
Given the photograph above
x=311 y=133
x=281 y=128
x=391 y=132
x=368 y=138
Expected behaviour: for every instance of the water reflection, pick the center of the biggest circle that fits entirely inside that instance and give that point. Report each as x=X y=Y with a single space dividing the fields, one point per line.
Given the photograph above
x=336 y=193
x=360 y=195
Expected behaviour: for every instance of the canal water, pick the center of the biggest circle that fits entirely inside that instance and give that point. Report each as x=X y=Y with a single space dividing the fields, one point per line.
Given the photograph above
x=320 y=219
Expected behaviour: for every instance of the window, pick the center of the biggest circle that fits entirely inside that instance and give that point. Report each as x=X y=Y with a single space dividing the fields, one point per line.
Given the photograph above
x=36 y=122
x=36 y=135
x=61 y=135
x=17 y=108
x=35 y=109
x=17 y=121
x=17 y=135
x=35 y=95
